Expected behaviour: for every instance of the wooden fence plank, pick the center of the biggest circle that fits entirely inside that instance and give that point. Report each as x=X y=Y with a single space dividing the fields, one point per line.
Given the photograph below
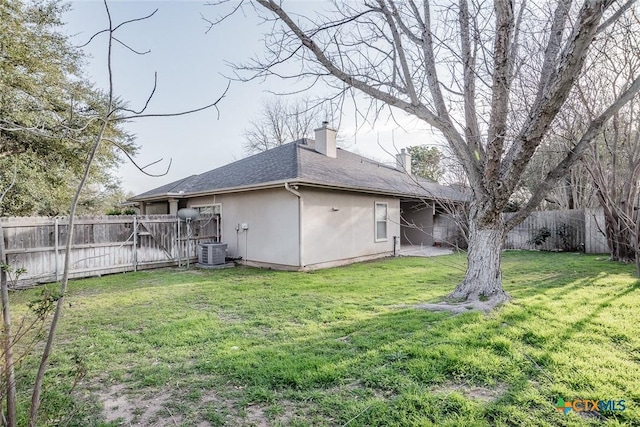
x=101 y=245
x=105 y=244
x=569 y=230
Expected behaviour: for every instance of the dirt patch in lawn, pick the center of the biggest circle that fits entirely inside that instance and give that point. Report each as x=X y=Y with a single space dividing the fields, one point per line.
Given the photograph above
x=230 y=412
x=481 y=394
x=255 y=416
x=137 y=410
x=166 y=408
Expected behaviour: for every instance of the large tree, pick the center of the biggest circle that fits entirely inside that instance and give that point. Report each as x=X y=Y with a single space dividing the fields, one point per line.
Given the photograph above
x=614 y=166
x=490 y=77
x=425 y=162
x=609 y=174
x=47 y=112
x=85 y=126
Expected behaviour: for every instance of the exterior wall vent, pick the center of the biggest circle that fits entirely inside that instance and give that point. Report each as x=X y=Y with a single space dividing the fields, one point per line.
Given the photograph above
x=212 y=253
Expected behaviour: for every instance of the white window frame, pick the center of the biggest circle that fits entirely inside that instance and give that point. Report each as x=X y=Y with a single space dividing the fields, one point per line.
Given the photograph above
x=376 y=221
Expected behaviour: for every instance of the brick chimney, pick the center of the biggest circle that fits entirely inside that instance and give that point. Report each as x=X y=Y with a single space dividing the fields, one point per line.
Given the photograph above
x=326 y=141
x=403 y=161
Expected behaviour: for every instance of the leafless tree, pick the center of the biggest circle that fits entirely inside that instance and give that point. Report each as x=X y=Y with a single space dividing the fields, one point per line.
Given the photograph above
x=615 y=169
x=614 y=166
x=112 y=112
x=614 y=162
x=7 y=332
x=491 y=77
x=609 y=174
x=280 y=121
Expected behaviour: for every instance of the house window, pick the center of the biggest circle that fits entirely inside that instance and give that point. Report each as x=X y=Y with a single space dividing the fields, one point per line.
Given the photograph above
x=381 y=221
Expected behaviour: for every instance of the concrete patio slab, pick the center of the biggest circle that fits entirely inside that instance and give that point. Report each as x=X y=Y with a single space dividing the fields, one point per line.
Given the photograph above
x=423 y=251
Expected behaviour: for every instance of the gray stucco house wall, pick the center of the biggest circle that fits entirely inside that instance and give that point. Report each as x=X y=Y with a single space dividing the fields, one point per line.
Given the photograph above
x=309 y=204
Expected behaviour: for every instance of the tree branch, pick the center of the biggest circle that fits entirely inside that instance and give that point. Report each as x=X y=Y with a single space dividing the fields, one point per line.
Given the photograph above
x=575 y=154
x=502 y=78
x=545 y=110
x=472 y=129
x=179 y=113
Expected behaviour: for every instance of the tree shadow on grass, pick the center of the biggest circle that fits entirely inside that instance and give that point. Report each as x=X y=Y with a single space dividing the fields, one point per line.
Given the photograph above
x=380 y=365
x=394 y=359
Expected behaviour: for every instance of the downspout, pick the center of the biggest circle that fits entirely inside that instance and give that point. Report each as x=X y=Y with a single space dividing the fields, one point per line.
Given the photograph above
x=300 y=209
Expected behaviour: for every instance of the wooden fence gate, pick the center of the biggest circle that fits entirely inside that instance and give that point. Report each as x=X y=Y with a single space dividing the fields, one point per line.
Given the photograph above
x=101 y=244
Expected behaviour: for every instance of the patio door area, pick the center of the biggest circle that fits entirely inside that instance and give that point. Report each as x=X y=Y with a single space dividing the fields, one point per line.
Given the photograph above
x=416 y=223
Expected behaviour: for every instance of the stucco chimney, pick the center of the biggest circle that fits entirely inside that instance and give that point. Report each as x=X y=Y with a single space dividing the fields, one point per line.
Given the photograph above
x=403 y=161
x=326 y=141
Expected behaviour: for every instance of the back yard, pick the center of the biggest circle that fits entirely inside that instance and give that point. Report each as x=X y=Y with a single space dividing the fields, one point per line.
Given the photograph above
x=344 y=347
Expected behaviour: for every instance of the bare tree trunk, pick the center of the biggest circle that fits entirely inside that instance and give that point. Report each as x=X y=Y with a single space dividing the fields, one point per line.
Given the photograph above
x=111 y=114
x=638 y=255
x=37 y=386
x=483 y=279
x=7 y=341
x=619 y=235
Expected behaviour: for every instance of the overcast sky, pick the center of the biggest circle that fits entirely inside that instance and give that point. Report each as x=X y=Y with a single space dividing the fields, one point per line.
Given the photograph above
x=191 y=66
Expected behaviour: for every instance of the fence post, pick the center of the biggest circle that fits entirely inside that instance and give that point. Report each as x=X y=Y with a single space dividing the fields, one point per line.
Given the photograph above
x=3 y=258
x=135 y=243
x=188 y=221
x=179 y=243
x=56 y=228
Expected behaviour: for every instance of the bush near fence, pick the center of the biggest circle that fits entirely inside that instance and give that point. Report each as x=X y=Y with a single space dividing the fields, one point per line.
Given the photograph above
x=569 y=230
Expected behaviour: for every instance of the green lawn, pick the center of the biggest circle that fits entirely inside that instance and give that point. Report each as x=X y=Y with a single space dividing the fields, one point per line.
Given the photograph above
x=344 y=347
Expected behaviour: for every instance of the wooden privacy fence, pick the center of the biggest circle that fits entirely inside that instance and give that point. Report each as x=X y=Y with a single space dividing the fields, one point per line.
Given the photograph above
x=101 y=244
x=595 y=240
x=113 y=244
x=563 y=230
x=569 y=230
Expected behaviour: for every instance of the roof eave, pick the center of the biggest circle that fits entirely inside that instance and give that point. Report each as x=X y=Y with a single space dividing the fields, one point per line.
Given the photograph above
x=276 y=184
x=163 y=196
x=373 y=191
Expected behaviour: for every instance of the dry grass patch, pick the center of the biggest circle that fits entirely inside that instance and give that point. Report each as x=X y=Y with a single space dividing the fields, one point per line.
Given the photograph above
x=484 y=394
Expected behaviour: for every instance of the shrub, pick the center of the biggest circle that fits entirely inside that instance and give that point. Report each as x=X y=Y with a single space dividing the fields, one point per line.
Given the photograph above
x=540 y=236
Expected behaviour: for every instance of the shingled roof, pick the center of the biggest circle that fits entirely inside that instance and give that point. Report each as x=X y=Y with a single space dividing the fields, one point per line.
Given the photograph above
x=298 y=162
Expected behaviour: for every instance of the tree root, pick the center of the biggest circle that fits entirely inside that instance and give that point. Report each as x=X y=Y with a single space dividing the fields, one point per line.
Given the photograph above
x=484 y=306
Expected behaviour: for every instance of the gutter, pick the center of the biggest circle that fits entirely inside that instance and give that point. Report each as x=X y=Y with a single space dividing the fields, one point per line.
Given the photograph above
x=276 y=184
x=300 y=228
x=163 y=196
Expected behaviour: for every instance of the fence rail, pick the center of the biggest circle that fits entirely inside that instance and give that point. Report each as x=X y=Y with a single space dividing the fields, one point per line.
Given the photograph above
x=568 y=230
x=113 y=244
x=101 y=244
